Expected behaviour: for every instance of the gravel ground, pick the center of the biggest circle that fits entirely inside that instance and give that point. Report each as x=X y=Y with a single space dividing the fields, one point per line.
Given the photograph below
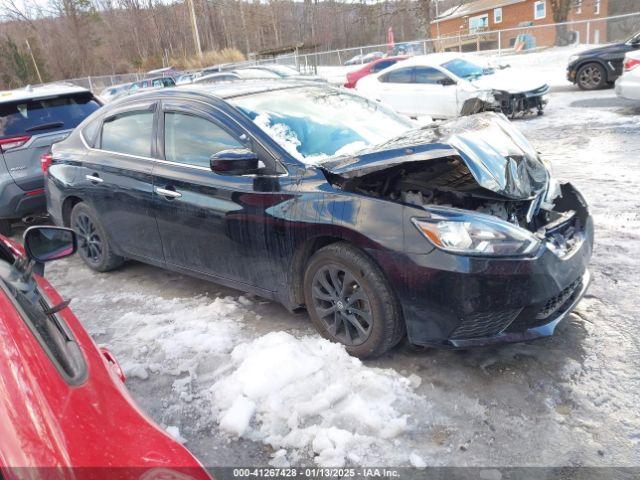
x=568 y=400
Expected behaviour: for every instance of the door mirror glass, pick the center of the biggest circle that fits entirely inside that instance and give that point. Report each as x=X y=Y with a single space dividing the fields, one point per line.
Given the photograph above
x=235 y=161
x=44 y=244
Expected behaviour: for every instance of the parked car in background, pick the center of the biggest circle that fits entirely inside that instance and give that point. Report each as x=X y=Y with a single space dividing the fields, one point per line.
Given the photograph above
x=445 y=85
x=456 y=234
x=113 y=92
x=419 y=86
x=355 y=60
x=239 y=74
x=600 y=67
x=371 y=67
x=31 y=119
x=362 y=59
x=157 y=82
x=187 y=78
x=64 y=404
x=628 y=85
x=285 y=71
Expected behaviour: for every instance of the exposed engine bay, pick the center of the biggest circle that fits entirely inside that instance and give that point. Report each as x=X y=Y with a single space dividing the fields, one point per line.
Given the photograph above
x=448 y=182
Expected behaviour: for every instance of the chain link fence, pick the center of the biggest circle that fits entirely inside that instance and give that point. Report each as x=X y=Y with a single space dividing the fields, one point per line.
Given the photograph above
x=511 y=40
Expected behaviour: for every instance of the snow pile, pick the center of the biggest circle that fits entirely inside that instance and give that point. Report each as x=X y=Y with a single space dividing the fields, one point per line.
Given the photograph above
x=173 y=336
x=308 y=395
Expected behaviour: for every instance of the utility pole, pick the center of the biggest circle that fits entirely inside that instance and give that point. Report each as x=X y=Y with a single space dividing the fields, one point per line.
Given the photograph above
x=33 y=59
x=194 y=27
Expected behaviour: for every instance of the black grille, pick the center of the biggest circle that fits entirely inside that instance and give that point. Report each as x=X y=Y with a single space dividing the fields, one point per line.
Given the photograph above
x=484 y=324
x=554 y=303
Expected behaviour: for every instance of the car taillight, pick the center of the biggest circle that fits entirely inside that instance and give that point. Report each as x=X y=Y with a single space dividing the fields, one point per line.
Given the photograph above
x=630 y=64
x=45 y=162
x=13 y=142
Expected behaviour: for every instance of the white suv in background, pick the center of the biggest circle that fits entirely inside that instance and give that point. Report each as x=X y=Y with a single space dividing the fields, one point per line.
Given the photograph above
x=628 y=85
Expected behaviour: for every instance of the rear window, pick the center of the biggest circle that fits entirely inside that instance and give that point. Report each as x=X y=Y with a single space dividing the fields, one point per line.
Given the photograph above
x=30 y=117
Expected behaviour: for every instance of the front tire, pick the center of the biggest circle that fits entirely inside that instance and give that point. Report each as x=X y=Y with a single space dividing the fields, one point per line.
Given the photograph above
x=350 y=301
x=591 y=77
x=93 y=243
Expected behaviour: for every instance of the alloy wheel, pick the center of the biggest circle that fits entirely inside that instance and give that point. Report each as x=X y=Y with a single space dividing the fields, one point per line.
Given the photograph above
x=342 y=305
x=590 y=77
x=89 y=240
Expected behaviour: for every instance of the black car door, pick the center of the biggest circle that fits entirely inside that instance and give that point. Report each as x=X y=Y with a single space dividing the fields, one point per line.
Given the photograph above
x=117 y=180
x=214 y=224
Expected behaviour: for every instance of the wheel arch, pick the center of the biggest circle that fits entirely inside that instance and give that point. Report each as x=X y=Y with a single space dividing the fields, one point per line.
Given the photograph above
x=67 y=206
x=300 y=258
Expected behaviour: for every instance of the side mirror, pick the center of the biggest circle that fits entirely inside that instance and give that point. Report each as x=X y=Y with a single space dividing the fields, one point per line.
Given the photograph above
x=235 y=161
x=445 y=82
x=44 y=244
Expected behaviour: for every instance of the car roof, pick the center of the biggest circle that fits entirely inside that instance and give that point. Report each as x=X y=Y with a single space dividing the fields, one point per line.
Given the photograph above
x=49 y=90
x=243 y=87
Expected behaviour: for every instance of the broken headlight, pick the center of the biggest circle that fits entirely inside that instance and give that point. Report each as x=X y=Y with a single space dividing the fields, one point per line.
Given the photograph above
x=458 y=231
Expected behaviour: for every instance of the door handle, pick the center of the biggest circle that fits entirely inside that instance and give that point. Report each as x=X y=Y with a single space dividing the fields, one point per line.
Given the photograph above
x=167 y=193
x=94 y=178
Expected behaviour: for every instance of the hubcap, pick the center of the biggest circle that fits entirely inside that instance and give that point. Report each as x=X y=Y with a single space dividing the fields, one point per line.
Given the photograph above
x=590 y=77
x=89 y=241
x=342 y=305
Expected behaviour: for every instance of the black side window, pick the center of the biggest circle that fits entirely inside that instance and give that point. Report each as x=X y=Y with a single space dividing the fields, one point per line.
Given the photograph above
x=128 y=133
x=378 y=67
x=193 y=140
x=428 y=75
x=402 y=75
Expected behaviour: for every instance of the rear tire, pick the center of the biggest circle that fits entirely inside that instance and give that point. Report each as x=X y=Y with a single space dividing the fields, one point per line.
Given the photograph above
x=350 y=301
x=591 y=76
x=5 y=227
x=93 y=243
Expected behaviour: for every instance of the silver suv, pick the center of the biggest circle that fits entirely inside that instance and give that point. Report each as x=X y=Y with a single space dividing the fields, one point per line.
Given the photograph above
x=31 y=120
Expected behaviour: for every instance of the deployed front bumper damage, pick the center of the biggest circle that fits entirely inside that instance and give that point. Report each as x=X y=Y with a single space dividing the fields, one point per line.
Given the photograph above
x=515 y=105
x=462 y=301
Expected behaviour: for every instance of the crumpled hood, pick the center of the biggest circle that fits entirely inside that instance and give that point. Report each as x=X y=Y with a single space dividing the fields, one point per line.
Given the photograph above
x=509 y=80
x=498 y=156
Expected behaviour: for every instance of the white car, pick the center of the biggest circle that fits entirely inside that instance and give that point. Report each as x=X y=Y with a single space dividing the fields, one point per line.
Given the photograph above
x=628 y=85
x=445 y=85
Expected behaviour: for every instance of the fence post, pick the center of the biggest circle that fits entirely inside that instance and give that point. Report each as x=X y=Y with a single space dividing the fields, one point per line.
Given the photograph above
x=424 y=47
x=90 y=84
x=361 y=55
x=499 y=42
x=588 y=33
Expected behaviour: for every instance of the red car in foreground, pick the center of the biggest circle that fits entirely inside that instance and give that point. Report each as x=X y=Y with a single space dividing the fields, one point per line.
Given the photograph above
x=372 y=67
x=64 y=409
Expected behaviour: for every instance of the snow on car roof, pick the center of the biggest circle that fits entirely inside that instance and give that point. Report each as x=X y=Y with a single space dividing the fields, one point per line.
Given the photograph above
x=29 y=92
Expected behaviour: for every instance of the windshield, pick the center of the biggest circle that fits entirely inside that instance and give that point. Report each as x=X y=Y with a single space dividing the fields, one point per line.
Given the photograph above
x=463 y=68
x=314 y=123
x=24 y=117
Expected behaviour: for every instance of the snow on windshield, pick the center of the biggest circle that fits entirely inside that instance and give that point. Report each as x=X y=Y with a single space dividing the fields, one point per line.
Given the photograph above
x=315 y=123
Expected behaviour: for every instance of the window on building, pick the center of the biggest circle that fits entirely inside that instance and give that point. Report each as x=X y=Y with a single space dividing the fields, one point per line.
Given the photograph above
x=479 y=23
x=578 y=6
x=596 y=7
x=539 y=10
x=497 y=15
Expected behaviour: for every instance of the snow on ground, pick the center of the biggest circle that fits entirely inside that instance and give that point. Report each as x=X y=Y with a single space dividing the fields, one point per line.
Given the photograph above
x=244 y=382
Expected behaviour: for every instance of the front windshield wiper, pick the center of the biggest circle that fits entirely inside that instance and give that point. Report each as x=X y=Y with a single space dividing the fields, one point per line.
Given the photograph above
x=44 y=126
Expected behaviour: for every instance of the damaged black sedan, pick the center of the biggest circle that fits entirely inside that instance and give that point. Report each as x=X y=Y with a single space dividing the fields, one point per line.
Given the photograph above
x=455 y=235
